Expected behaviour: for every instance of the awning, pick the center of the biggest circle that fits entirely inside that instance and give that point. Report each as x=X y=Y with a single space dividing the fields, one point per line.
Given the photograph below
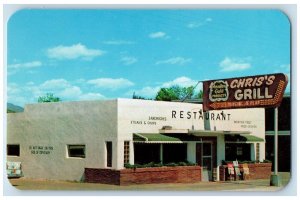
x=279 y=133
x=242 y=139
x=163 y=138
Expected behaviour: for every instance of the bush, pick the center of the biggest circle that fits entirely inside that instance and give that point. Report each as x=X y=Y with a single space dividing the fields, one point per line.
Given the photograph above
x=152 y=164
x=128 y=166
x=267 y=161
x=171 y=164
x=182 y=164
x=157 y=165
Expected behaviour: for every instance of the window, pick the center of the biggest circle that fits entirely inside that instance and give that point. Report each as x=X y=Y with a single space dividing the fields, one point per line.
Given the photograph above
x=109 y=154
x=126 y=152
x=76 y=151
x=239 y=151
x=257 y=152
x=13 y=150
x=174 y=153
x=145 y=153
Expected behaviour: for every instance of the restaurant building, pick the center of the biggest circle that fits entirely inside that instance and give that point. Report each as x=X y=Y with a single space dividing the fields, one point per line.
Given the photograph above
x=58 y=141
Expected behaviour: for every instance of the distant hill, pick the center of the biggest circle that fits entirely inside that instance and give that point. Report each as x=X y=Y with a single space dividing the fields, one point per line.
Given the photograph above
x=11 y=108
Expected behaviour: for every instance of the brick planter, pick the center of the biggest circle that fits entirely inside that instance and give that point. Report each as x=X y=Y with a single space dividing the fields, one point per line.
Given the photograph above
x=256 y=171
x=260 y=170
x=180 y=174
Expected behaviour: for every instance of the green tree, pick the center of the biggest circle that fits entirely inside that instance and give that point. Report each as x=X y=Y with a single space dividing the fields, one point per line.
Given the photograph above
x=134 y=96
x=175 y=93
x=49 y=97
x=199 y=95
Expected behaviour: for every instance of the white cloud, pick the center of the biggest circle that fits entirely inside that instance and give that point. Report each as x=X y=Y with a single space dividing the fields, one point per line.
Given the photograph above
x=128 y=60
x=110 y=83
x=150 y=92
x=197 y=24
x=118 y=42
x=208 y=19
x=285 y=68
x=71 y=92
x=234 y=64
x=180 y=81
x=13 y=88
x=55 y=84
x=158 y=35
x=174 y=61
x=29 y=92
x=26 y=65
x=73 y=52
x=59 y=87
x=91 y=96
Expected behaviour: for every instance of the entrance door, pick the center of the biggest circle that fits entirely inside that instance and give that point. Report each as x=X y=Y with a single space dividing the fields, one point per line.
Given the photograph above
x=204 y=158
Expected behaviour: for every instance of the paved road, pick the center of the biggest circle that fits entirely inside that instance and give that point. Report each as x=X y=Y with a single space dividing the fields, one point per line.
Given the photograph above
x=250 y=185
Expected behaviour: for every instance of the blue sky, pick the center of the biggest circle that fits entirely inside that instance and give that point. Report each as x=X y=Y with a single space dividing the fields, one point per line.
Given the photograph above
x=107 y=54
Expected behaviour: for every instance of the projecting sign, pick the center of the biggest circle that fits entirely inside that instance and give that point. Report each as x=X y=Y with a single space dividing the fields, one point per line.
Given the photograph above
x=244 y=92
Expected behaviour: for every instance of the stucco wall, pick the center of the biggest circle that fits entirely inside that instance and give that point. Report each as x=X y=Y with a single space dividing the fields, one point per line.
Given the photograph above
x=134 y=116
x=48 y=128
x=55 y=125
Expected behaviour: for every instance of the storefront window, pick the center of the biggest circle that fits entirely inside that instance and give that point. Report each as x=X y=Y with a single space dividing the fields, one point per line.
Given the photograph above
x=146 y=153
x=237 y=151
x=174 y=153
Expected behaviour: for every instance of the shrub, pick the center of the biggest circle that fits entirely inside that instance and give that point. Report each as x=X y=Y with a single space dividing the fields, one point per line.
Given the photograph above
x=182 y=164
x=267 y=161
x=190 y=163
x=152 y=164
x=171 y=164
x=128 y=166
x=157 y=165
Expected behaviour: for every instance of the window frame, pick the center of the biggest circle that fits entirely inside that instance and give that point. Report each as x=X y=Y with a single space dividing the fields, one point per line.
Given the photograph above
x=76 y=146
x=126 y=152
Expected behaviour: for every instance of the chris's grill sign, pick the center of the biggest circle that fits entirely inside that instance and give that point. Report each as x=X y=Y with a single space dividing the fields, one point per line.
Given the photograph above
x=244 y=92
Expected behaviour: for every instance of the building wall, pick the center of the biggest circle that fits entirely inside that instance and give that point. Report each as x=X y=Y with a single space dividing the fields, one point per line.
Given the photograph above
x=44 y=131
x=144 y=116
x=136 y=116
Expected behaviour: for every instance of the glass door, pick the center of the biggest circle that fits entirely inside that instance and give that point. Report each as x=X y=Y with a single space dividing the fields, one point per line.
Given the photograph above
x=207 y=159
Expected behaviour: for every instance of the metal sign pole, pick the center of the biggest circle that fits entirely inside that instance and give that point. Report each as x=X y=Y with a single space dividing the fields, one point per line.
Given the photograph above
x=276 y=141
x=275 y=178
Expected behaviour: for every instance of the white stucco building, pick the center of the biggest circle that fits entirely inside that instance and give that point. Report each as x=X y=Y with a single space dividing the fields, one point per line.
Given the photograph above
x=58 y=140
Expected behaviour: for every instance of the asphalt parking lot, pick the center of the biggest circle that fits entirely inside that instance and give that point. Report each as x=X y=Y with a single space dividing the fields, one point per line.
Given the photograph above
x=262 y=185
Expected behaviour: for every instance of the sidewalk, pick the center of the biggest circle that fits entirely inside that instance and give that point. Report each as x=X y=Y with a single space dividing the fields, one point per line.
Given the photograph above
x=249 y=185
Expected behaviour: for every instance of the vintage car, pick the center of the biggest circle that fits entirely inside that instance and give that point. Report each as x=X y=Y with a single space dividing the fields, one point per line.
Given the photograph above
x=14 y=169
